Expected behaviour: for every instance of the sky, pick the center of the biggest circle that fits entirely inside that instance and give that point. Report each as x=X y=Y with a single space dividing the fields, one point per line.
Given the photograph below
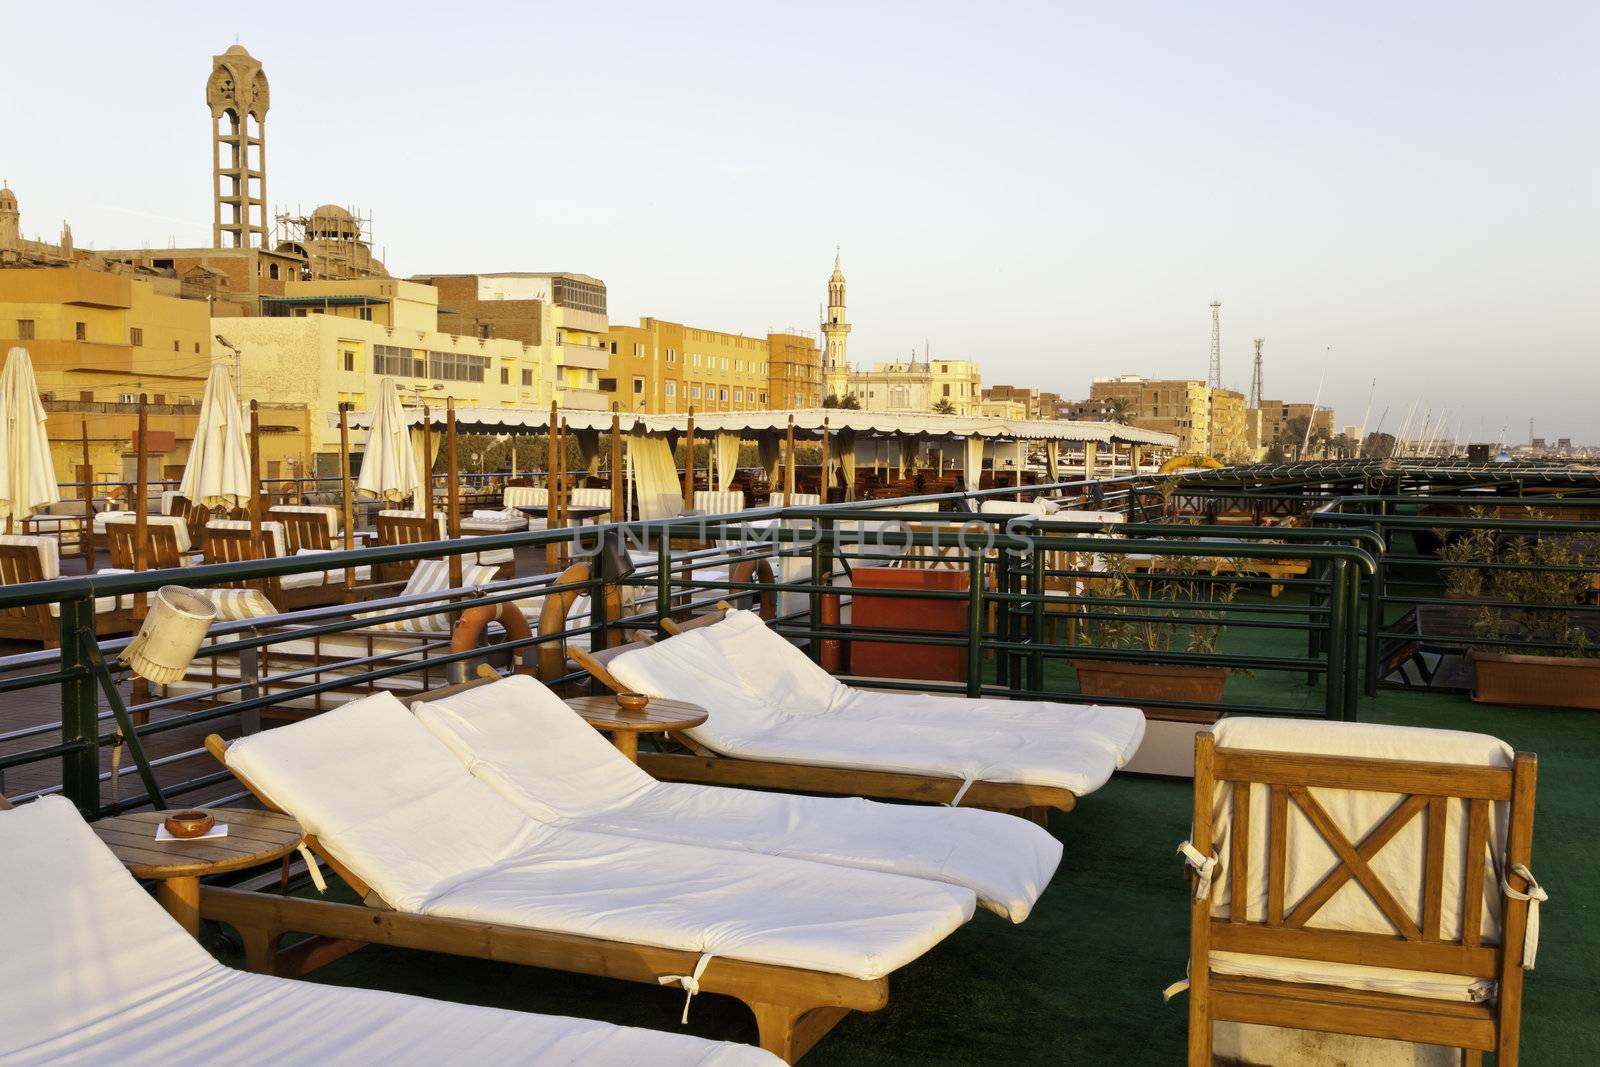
x=1403 y=193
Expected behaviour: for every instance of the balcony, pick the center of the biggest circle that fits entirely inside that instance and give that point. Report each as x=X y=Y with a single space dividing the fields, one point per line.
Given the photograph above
x=581 y=399
x=589 y=358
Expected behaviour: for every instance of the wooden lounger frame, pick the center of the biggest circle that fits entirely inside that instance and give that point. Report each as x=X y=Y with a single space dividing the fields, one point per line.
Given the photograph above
x=1426 y=789
x=705 y=766
x=794 y=1007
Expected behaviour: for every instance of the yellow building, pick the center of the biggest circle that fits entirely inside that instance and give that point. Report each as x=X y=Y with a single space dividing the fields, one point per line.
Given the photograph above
x=916 y=386
x=97 y=342
x=1205 y=420
x=666 y=367
x=1276 y=415
x=331 y=342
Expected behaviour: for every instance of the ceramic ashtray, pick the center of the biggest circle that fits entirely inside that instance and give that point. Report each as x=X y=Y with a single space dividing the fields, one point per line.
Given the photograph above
x=186 y=824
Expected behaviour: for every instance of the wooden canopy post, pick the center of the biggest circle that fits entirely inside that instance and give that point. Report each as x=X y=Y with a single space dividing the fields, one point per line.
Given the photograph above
x=564 y=494
x=452 y=498
x=141 y=507
x=344 y=488
x=618 y=493
x=551 y=553
x=688 y=466
x=86 y=490
x=426 y=506
x=255 y=479
x=824 y=479
x=788 y=473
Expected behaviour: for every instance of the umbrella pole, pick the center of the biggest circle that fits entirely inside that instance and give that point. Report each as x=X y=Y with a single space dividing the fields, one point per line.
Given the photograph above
x=86 y=477
x=688 y=466
x=616 y=465
x=788 y=473
x=344 y=486
x=255 y=480
x=427 y=468
x=141 y=508
x=826 y=474
x=551 y=552
x=452 y=487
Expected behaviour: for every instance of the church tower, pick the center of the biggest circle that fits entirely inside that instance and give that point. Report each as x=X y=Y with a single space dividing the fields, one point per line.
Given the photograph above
x=835 y=332
x=10 y=221
x=237 y=94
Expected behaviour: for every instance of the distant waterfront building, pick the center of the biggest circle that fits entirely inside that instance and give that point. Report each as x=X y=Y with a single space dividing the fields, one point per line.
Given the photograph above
x=1033 y=403
x=1205 y=420
x=1276 y=415
x=662 y=367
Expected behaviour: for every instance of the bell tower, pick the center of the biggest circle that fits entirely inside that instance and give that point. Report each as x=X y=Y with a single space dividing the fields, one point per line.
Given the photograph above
x=835 y=332
x=238 y=97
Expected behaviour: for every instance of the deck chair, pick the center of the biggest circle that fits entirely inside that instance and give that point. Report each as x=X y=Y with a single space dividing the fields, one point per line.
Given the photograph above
x=96 y=972
x=170 y=547
x=518 y=737
x=228 y=541
x=1383 y=874
x=311 y=526
x=778 y=720
x=399 y=527
x=28 y=558
x=450 y=865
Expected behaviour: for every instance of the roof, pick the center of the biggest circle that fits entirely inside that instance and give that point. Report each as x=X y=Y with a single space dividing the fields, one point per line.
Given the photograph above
x=807 y=421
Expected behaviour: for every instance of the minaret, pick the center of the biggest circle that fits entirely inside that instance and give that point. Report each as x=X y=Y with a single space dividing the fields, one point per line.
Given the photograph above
x=10 y=220
x=237 y=95
x=835 y=332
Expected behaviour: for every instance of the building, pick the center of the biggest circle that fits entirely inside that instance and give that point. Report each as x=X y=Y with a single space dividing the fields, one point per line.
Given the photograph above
x=836 y=334
x=238 y=96
x=327 y=343
x=561 y=314
x=926 y=385
x=1275 y=423
x=1205 y=420
x=668 y=367
x=98 y=341
x=1035 y=404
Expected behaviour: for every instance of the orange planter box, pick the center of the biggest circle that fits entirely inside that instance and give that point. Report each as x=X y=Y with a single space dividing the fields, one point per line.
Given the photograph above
x=890 y=659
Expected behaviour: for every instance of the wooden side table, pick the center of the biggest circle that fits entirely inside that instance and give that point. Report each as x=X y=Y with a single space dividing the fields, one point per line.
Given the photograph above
x=658 y=716
x=254 y=838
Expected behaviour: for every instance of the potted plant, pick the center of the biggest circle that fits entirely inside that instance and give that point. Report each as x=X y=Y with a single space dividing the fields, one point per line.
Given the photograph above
x=1530 y=602
x=1188 y=617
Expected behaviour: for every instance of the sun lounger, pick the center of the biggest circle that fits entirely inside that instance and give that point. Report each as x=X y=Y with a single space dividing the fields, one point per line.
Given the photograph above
x=1384 y=879
x=402 y=820
x=519 y=738
x=779 y=720
x=95 y=972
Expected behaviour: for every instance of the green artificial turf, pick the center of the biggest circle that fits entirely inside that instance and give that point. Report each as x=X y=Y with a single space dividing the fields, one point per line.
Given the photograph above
x=1080 y=982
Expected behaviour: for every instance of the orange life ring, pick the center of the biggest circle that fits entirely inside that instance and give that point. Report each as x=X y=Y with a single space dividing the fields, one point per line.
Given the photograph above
x=474 y=622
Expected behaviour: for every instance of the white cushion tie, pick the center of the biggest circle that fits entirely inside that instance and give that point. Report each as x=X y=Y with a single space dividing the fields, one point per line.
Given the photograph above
x=1204 y=866
x=312 y=868
x=1534 y=896
x=966 y=784
x=689 y=982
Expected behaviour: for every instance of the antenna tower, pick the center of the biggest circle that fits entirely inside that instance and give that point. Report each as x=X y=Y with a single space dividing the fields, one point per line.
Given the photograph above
x=1255 y=375
x=1214 y=379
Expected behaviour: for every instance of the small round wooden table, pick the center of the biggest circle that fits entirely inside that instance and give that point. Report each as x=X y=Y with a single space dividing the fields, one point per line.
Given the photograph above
x=254 y=838
x=658 y=716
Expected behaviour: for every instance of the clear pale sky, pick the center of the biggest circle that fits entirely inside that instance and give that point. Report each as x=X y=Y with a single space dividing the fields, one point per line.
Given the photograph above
x=1400 y=191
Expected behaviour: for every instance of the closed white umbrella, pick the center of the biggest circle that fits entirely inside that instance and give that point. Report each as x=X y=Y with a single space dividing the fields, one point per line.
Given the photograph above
x=389 y=466
x=217 y=474
x=27 y=475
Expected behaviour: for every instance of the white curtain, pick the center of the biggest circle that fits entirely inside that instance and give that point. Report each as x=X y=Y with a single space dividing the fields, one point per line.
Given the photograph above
x=726 y=449
x=655 y=477
x=908 y=455
x=1052 y=459
x=1090 y=450
x=770 y=454
x=973 y=470
x=847 y=461
x=589 y=450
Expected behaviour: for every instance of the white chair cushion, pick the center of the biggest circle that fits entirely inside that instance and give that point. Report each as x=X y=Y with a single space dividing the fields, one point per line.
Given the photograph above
x=48 y=548
x=180 y=528
x=272 y=533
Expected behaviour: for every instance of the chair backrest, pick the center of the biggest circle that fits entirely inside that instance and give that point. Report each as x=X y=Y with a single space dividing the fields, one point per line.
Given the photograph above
x=585 y=497
x=228 y=541
x=168 y=541
x=720 y=502
x=44 y=551
x=397 y=527
x=1356 y=843
x=28 y=558
x=307 y=525
x=795 y=500
x=524 y=496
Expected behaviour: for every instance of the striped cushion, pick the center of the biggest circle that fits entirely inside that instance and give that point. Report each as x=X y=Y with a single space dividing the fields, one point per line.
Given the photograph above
x=334 y=577
x=589 y=498
x=524 y=496
x=795 y=500
x=719 y=502
x=395 y=513
x=328 y=512
x=272 y=531
x=495 y=522
x=235 y=605
x=432 y=576
x=180 y=528
x=49 y=550
x=104 y=605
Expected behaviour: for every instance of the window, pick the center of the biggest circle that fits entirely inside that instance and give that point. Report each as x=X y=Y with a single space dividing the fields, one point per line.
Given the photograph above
x=272 y=270
x=176 y=347
x=86 y=395
x=722 y=395
x=946 y=388
x=613 y=348
x=197 y=348
x=365 y=312
x=82 y=332
x=485 y=330
x=388 y=359
x=672 y=355
x=763 y=398
x=136 y=337
x=672 y=389
x=24 y=329
x=638 y=386
x=456 y=367
x=527 y=378
x=505 y=375
x=349 y=360
x=694 y=392
x=638 y=349
x=694 y=360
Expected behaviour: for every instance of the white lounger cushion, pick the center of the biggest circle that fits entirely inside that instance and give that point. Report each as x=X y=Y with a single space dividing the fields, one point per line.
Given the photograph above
x=768 y=701
x=399 y=809
x=94 y=971
x=1399 y=864
x=519 y=737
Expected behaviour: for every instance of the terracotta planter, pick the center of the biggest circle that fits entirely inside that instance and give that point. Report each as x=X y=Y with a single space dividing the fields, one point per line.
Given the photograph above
x=1541 y=681
x=1136 y=683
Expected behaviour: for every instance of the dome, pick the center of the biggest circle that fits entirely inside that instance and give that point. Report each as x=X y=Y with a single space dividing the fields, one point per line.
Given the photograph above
x=333 y=213
x=8 y=199
x=236 y=50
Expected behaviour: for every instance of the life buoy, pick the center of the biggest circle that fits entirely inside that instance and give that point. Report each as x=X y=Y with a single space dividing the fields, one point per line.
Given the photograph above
x=474 y=622
x=1190 y=461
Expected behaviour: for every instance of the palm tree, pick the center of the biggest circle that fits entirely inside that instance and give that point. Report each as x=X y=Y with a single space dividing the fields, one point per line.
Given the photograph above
x=1119 y=410
x=944 y=407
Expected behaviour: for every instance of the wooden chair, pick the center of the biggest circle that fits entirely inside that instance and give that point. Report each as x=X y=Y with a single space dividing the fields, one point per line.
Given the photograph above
x=228 y=541
x=1436 y=921
x=405 y=528
x=122 y=544
x=195 y=516
x=32 y=558
x=306 y=527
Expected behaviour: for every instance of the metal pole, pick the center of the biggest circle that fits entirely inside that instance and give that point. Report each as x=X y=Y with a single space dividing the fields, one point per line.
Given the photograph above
x=688 y=466
x=255 y=481
x=80 y=711
x=141 y=508
x=975 y=623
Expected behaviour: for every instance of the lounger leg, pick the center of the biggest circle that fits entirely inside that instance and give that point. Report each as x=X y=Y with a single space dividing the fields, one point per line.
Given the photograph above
x=789 y=1032
x=1473 y=1058
x=260 y=949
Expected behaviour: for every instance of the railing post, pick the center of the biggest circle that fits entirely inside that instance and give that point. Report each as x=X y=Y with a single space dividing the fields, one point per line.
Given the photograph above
x=1352 y=687
x=1375 y=620
x=663 y=579
x=1036 y=589
x=80 y=709
x=819 y=558
x=1002 y=611
x=975 y=615
x=1334 y=686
